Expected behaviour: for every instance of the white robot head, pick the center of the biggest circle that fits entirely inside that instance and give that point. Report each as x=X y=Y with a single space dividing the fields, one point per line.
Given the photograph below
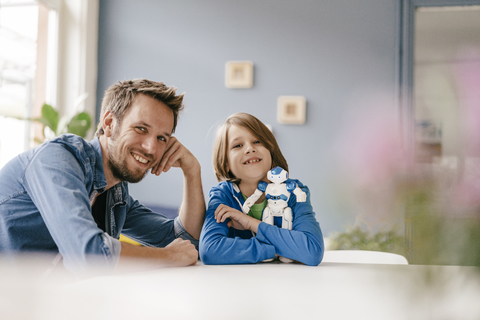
x=277 y=175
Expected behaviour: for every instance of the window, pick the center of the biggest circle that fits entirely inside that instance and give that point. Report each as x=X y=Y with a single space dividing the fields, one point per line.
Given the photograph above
x=27 y=71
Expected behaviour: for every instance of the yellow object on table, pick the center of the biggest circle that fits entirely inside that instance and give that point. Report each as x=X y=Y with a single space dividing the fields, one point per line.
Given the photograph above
x=128 y=240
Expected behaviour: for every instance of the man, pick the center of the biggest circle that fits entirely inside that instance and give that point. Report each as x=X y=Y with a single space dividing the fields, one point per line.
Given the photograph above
x=71 y=196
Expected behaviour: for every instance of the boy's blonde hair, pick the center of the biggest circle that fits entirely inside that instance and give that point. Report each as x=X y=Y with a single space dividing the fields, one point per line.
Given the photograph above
x=258 y=129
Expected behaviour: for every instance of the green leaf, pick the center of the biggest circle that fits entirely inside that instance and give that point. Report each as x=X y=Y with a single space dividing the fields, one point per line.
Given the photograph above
x=80 y=124
x=49 y=117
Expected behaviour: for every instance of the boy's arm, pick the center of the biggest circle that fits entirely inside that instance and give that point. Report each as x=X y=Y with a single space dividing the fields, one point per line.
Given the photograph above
x=305 y=242
x=217 y=246
x=238 y=220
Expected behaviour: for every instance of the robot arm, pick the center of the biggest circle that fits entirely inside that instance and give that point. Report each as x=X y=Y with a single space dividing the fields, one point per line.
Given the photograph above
x=301 y=196
x=251 y=200
x=295 y=189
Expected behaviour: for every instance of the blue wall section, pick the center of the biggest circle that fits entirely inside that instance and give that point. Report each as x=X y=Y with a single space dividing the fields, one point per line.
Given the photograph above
x=326 y=51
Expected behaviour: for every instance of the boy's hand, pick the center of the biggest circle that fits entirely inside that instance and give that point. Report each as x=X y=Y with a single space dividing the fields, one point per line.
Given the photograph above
x=238 y=219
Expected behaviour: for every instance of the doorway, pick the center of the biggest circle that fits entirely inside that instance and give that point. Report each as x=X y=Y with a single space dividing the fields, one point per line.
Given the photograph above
x=439 y=107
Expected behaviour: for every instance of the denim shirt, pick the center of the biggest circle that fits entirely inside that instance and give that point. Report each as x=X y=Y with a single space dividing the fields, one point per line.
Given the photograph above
x=45 y=205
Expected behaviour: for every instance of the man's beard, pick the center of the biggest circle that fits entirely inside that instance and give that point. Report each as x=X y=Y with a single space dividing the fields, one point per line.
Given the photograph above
x=121 y=172
x=119 y=168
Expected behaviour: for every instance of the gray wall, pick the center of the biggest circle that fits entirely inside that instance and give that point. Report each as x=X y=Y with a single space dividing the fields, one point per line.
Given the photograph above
x=324 y=50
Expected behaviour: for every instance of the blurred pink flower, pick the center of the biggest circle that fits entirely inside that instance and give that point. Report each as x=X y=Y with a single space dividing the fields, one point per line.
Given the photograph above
x=370 y=149
x=466 y=194
x=467 y=77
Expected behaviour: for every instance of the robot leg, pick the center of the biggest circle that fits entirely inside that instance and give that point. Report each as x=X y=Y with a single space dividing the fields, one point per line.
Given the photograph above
x=267 y=216
x=286 y=224
x=287 y=219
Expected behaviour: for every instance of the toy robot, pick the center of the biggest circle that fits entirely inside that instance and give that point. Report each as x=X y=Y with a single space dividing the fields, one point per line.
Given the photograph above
x=277 y=194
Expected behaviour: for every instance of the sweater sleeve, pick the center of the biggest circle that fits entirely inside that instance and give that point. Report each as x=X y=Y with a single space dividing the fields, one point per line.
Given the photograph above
x=304 y=243
x=55 y=182
x=218 y=246
x=151 y=228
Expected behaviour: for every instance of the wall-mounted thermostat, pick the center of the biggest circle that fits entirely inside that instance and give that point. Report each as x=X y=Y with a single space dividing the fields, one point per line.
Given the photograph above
x=291 y=109
x=239 y=74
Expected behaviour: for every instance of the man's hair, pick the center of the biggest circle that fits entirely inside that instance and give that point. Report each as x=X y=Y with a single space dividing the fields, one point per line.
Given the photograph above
x=119 y=97
x=258 y=129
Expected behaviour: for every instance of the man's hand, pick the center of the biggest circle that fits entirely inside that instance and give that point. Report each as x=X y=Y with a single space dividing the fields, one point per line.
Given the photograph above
x=176 y=155
x=179 y=253
x=238 y=219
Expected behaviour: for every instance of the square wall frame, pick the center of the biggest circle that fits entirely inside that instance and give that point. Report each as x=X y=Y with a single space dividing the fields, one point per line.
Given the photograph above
x=239 y=74
x=291 y=109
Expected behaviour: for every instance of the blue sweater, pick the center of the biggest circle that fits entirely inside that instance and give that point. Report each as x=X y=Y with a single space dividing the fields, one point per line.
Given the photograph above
x=220 y=244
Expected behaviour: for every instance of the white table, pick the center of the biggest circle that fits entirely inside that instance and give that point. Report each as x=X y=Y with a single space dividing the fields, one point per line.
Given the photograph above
x=261 y=291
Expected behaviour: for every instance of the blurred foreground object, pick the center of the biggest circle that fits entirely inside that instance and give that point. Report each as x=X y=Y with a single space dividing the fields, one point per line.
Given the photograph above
x=434 y=205
x=332 y=290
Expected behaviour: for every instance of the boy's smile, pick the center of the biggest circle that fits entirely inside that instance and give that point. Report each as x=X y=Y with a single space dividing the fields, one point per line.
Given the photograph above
x=248 y=159
x=253 y=160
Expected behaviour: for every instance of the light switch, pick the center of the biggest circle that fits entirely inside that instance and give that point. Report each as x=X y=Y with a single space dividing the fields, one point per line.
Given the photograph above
x=291 y=109
x=239 y=74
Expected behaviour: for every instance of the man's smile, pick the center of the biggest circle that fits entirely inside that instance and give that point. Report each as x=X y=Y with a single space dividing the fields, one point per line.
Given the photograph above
x=140 y=158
